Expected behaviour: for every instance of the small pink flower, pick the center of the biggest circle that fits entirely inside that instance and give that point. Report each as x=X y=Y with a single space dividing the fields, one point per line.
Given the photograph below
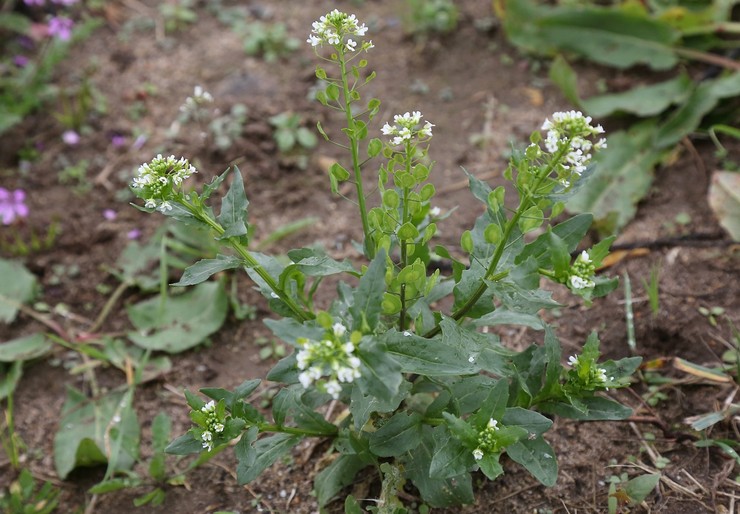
x=71 y=137
x=109 y=214
x=118 y=140
x=12 y=205
x=20 y=61
x=134 y=234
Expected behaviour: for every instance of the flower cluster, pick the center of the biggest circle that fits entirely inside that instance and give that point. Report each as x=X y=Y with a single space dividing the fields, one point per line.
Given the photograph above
x=336 y=29
x=194 y=105
x=333 y=357
x=587 y=375
x=12 y=205
x=406 y=127
x=213 y=424
x=582 y=272
x=572 y=129
x=487 y=440
x=159 y=180
x=60 y=27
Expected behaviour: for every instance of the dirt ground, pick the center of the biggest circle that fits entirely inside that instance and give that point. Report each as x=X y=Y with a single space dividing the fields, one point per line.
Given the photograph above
x=482 y=95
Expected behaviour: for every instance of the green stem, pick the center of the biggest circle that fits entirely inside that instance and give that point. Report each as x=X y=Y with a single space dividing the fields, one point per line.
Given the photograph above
x=354 y=145
x=524 y=203
x=404 y=251
x=250 y=261
x=268 y=427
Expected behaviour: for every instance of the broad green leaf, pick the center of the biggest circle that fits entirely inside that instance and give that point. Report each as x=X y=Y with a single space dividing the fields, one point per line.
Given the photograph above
x=571 y=231
x=205 y=268
x=336 y=476
x=380 y=372
x=24 y=348
x=290 y=330
x=261 y=455
x=436 y=492
x=398 y=435
x=642 y=101
x=424 y=356
x=450 y=458
x=608 y=36
x=18 y=286
x=114 y=484
x=622 y=176
x=493 y=406
x=181 y=322
x=505 y=316
x=154 y=497
x=363 y=405
x=186 y=444
x=724 y=199
x=490 y=465
x=290 y=404
x=538 y=457
x=90 y=429
x=233 y=217
x=368 y=297
x=597 y=409
x=533 y=422
x=639 y=487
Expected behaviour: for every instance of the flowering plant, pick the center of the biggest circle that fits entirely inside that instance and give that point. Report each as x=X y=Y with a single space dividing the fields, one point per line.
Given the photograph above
x=430 y=394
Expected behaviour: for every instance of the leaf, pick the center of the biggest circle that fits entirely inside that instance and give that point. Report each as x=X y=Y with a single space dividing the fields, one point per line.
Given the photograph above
x=622 y=177
x=336 y=476
x=380 y=374
x=205 y=268
x=24 y=348
x=639 y=487
x=724 y=199
x=504 y=316
x=645 y=101
x=18 y=286
x=87 y=428
x=182 y=322
x=538 y=457
x=423 y=356
x=368 y=297
x=399 y=434
x=316 y=263
x=533 y=422
x=233 y=217
x=450 y=457
x=9 y=378
x=261 y=455
x=571 y=232
x=608 y=36
x=436 y=492
x=186 y=444
x=597 y=409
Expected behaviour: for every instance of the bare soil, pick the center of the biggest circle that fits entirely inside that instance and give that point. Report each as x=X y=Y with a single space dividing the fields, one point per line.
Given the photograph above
x=482 y=95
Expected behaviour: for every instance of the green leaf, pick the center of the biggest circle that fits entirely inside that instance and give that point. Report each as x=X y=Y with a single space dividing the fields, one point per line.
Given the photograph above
x=233 y=217
x=571 y=232
x=563 y=76
x=24 y=348
x=645 y=101
x=363 y=405
x=94 y=432
x=380 y=374
x=424 y=356
x=186 y=444
x=17 y=287
x=622 y=176
x=538 y=457
x=436 y=492
x=639 y=487
x=161 y=426
x=490 y=465
x=450 y=457
x=493 y=406
x=368 y=297
x=181 y=322
x=351 y=506
x=597 y=409
x=399 y=434
x=316 y=263
x=9 y=378
x=205 y=268
x=724 y=199
x=336 y=476
x=154 y=497
x=114 y=484
x=505 y=316
x=261 y=454
x=613 y=37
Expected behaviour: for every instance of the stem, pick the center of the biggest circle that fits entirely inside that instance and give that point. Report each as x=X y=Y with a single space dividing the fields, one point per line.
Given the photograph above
x=524 y=202
x=355 y=150
x=251 y=261
x=268 y=427
x=404 y=252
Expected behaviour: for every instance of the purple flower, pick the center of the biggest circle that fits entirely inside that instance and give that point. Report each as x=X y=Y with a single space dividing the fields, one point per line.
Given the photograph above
x=117 y=140
x=71 y=137
x=60 y=27
x=20 y=60
x=139 y=142
x=63 y=2
x=12 y=206
x=134 y=234
x=109 y=214
x=33 y=2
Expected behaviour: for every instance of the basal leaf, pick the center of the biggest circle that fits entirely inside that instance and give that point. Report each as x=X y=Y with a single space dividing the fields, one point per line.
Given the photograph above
x=18 y=286
x=594 y=408
x=336 y=476
x=398 y=435
x=181 y=322
x=24 y=348
x=263 y=454
x=642 y=101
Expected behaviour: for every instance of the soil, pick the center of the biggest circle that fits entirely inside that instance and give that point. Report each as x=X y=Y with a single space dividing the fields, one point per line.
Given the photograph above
x=482 y=95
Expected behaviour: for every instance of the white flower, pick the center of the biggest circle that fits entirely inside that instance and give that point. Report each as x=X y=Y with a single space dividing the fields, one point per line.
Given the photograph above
x=585 y=257
x=218 y=427
x=477 y=454
x=577 y=282
x=573 y=360
x=406 y=333
x=351 y=45
x=492 y=423
x=338 y=329
x=333 y=388
x=435 y=211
